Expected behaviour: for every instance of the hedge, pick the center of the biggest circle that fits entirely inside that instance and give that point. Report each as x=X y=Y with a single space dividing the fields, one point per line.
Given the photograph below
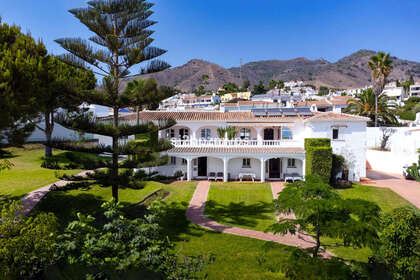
x=319 y=157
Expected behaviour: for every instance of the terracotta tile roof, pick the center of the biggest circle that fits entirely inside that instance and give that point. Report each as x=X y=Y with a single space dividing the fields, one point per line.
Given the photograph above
x=316 y=102
x=238 y=150
x=321 y=116
x=239 y=116
x=248 y=103
x=206 y=116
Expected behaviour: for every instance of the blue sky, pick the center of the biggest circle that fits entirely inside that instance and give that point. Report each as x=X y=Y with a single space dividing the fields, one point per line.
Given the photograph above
x=223 y=31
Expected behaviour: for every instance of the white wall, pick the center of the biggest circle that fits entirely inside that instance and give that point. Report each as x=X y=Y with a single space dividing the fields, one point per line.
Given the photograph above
x=58 y=132
x=351 y=145
x=389 y=161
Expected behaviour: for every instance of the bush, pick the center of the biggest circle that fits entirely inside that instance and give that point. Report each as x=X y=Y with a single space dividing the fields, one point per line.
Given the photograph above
x=319 y=157
x=26 y=243
x=336 y=168
x=302 y=266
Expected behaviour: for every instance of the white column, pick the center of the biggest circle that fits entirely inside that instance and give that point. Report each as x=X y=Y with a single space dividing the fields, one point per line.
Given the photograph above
x=225 y=169
x=303 y=167
x=262 y=170
x=189 y=171
x=259 y=136
x=193 y=137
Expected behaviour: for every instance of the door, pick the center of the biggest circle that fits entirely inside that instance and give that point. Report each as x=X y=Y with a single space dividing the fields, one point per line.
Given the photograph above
x=183 y=133
x=275 y=167
x=268 y=134
x=202 y=166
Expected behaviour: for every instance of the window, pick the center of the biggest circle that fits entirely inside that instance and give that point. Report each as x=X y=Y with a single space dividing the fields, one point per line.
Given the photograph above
x=206 y=133
x=335 y=133
x=286 y=133
x=183 y=133
x=246 y=163
x=245 y=133
x=291 y=163
x=184 y=161
x=170 y=133
x=173 y=160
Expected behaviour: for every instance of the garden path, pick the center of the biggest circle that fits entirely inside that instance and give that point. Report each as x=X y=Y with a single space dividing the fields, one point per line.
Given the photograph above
x=195 y=213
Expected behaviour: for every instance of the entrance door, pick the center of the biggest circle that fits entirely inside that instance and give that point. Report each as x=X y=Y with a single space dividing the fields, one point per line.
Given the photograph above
x=268 y=134
x=274 y=169
x=202 y=166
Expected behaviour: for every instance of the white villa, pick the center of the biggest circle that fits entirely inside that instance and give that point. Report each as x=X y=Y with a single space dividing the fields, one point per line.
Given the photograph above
x=269 y=144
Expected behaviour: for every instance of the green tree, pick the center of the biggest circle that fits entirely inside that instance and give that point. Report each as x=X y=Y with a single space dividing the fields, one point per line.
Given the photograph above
x=144 y=92
x=60 y=87
x=366 y=103
x=122 y=245
x=230 y=87
x=122 y=40
x=272 y=84
x=245 y=85
x=321 y=211
x=20 y=58
x=280 y=84
x=400 y=242
x=259 y=88
x=380 y=66
x=323 y=91
x=26 y=243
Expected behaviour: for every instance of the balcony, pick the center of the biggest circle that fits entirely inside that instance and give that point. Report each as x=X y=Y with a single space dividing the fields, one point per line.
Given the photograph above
x=217 y=142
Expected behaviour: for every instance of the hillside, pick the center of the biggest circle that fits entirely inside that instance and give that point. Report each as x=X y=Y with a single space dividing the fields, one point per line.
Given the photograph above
x=350 y=71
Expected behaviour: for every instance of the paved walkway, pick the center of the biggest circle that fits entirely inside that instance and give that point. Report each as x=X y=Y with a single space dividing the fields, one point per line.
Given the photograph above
x=408 y=189
x=195 y=213
x=30 y=200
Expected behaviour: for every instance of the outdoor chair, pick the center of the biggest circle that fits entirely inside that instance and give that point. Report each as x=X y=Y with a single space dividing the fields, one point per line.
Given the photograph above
x=212 y=176
x=288 y=177
x=219 y=176
x=296 y=177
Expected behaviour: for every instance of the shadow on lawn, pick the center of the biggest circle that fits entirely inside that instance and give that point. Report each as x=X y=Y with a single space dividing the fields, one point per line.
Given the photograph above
x=239 y=213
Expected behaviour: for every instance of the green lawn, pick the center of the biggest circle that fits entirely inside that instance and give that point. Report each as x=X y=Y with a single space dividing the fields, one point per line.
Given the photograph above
x=246 y=205
x=27 y=175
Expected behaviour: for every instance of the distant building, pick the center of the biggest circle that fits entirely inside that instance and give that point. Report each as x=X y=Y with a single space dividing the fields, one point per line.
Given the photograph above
x=236 y=95
x=414 y=90
x=397 y=94
x=182 y=102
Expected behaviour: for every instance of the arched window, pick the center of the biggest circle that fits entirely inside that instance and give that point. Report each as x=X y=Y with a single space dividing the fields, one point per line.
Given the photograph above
x=286 y=133
x=245 y=133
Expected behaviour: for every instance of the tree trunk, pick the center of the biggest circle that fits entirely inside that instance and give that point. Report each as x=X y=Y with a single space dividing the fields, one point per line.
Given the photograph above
x=318 y=244
x=138 y=115
x=376 y=110
x=49 y=126
x=115 y=152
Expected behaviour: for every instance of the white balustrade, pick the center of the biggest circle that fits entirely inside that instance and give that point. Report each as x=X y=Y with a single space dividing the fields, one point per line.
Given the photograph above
x=219 y=142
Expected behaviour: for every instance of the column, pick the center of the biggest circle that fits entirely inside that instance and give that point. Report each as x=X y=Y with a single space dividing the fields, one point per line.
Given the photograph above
x=303 y=167
x=259 y=136
x=193 y=139
x=225 y=169
x=262 y=170
x=189 y=171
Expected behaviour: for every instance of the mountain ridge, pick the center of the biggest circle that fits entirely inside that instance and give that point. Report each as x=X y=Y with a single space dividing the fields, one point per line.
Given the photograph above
x=348 y=72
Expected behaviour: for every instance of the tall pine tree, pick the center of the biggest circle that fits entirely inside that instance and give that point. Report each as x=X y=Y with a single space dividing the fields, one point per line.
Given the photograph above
x=121 y=40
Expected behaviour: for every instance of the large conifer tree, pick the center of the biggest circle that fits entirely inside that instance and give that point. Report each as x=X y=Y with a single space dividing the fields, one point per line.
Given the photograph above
x=121 y=40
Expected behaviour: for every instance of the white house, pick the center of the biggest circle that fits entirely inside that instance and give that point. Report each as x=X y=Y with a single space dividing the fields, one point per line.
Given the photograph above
x=415 y=90
x=269 y=143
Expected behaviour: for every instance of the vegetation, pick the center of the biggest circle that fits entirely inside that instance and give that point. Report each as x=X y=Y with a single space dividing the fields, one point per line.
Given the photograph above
x=26 y=243
x=400 y=243
x=20 y=57
x=410 y=109
x=364 y=105
x=337 y=166
x=380 y=66
x=323 y=91
x=259 y=88
x=230 y=87
x=319 y=209
x=229 y=131
x=413 y=170
x=319 y=157
x=246 y=205
x=122 y=35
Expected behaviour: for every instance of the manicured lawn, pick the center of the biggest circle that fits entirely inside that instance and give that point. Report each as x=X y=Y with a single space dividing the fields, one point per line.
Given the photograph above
x=386 y=199
x=246 y=205
x=27 y=175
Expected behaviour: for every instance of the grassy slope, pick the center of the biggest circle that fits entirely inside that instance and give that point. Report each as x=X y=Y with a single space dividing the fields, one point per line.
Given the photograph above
x=246 y=205
x=27 y=174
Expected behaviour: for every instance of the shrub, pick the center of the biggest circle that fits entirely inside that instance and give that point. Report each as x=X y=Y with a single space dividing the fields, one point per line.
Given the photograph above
x=319 y=157
x=336 y=167
x=26 y=243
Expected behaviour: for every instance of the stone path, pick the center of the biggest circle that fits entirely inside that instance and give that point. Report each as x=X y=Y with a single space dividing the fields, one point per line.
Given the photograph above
x=195 y=213
x=408 y=189
x=30 y=200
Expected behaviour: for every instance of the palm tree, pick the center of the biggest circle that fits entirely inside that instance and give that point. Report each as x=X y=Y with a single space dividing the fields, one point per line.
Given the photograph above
x=368 y=104
x=143 y=92
x=380 y=66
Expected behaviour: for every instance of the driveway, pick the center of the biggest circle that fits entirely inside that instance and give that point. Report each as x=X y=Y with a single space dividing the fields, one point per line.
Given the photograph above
x=408 y=189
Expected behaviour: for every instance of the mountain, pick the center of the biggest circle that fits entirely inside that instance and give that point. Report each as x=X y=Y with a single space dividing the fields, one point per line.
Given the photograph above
x=350 y=71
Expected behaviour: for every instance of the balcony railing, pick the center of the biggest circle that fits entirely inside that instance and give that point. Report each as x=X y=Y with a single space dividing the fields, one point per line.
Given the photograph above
x=217 y=142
